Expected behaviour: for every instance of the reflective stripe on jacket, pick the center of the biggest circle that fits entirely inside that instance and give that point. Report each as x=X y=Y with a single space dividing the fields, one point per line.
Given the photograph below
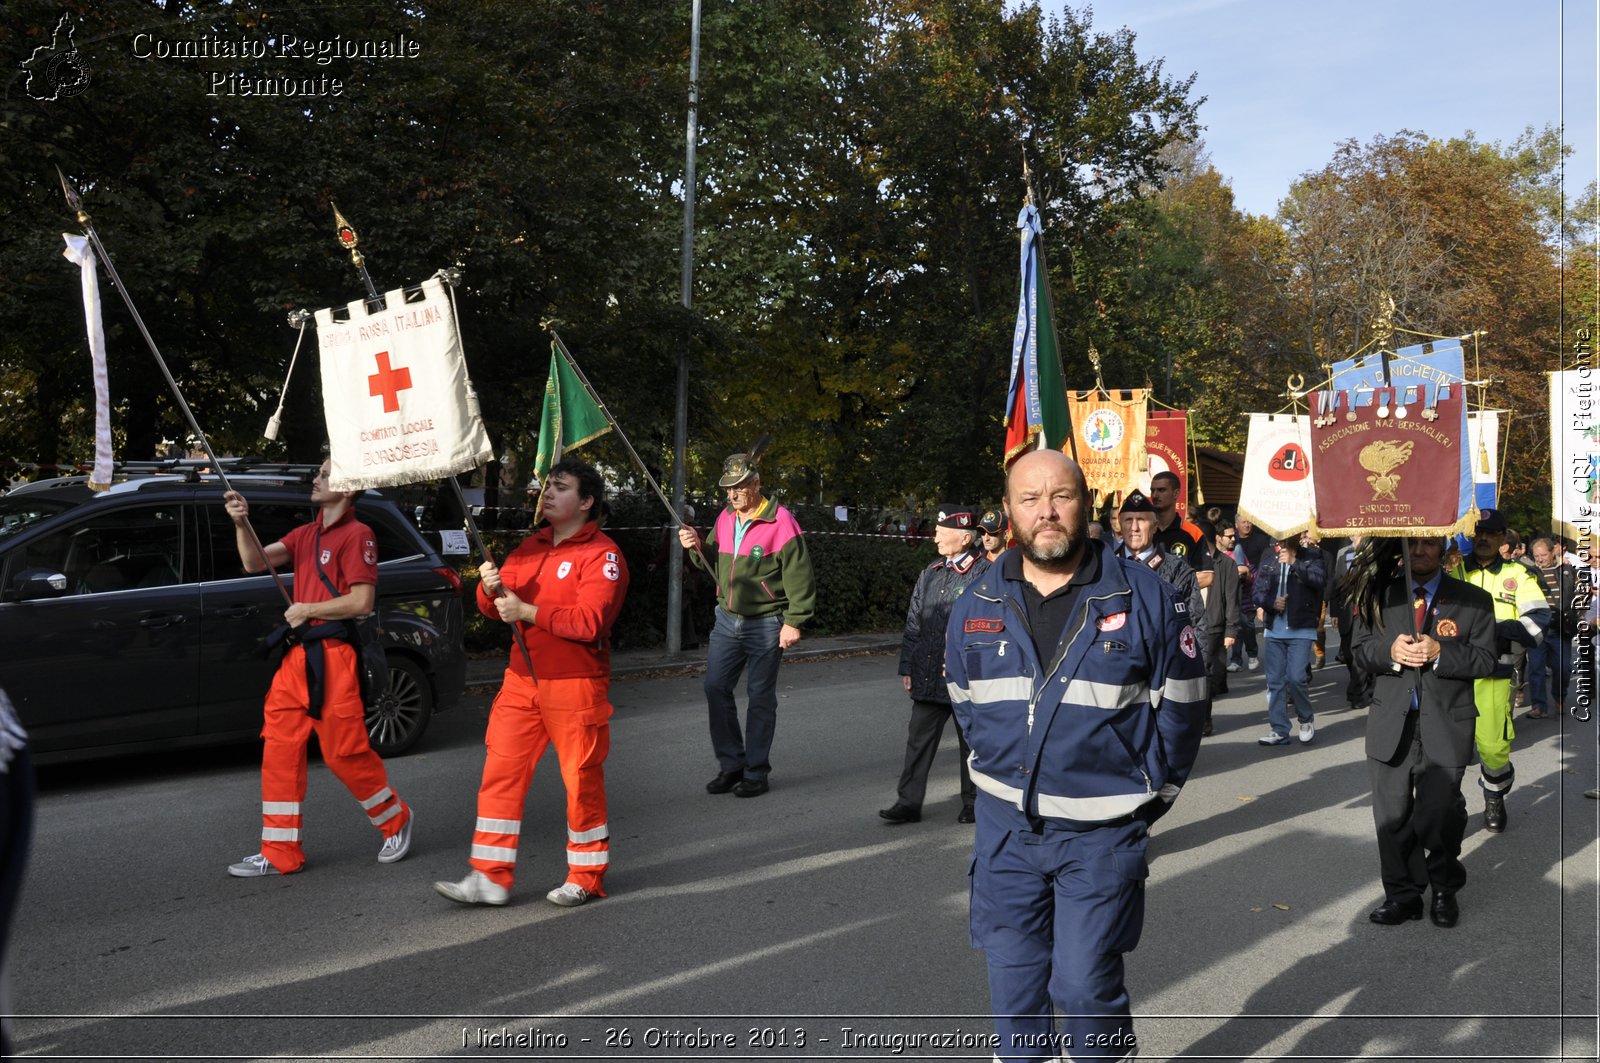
x=1521 y=613
x=1105 y=727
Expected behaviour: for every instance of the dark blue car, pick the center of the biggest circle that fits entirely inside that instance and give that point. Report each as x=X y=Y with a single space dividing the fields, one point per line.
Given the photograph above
x=127 y=622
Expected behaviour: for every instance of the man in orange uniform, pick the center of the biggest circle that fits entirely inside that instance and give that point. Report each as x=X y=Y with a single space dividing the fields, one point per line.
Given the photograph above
x=317 y=686
x=564 y=587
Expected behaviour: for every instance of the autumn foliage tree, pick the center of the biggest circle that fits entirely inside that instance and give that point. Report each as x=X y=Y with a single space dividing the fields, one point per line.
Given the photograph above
x=1458 y=233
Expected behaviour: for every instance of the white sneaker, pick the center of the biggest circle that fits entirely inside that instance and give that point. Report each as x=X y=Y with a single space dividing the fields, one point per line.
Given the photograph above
x=1307 y=731
x=1255 y=662
x=1233 y=666
x=397 y=845
x=253 y=867
x=568 y=895
x=476 y=888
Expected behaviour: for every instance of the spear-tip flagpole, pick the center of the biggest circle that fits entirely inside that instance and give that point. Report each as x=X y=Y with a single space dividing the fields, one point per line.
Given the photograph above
x=75 y=201
x=350 y=241
x=621 y=435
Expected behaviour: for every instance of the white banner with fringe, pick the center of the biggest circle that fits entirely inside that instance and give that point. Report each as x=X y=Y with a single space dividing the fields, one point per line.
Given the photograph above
x=399 y=403
x=1276 y=492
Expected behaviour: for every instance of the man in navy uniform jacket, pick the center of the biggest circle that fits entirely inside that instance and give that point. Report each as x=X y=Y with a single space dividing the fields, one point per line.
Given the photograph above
x=1080 y=684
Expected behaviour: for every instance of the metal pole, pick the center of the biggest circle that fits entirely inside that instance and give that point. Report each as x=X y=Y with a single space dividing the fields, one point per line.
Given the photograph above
x=622 y=437
x=76 y=203
x=680 y=424
x=349 y=240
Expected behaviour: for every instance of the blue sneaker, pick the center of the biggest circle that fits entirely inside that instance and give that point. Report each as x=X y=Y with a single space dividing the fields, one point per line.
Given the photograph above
x=1273 y=740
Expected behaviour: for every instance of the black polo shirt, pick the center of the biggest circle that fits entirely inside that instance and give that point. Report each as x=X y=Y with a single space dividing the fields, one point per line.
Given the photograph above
x=1048 y=614
x=1178 y=541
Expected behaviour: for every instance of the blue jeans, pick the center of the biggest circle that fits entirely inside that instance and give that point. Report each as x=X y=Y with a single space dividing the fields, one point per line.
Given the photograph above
x=1554 y=655
x=736 y=642
x=1286 y=662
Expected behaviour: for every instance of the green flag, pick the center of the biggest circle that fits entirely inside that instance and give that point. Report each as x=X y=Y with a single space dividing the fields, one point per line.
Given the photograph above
x=571 y=415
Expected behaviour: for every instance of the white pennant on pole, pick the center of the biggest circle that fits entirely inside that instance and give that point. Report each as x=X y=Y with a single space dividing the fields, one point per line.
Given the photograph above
x=79 y=253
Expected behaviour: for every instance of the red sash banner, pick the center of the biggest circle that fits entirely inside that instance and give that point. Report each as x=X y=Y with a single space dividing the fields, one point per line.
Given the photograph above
x=1389 y=467
x=1166 y=444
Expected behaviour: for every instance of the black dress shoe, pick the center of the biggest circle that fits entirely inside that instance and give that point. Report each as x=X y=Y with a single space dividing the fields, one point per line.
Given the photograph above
x=1393 y=913
x=1206 y=731
x=725 y=781
x=898 y=813
x=751 y=788
x=966 y=815
x=1494 y=812
x=1444 y=911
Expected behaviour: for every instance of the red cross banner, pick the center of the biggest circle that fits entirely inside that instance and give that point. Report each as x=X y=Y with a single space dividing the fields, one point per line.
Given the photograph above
x=399 y=404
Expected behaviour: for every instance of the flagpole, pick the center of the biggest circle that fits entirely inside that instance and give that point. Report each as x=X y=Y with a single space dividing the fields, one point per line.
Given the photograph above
x=349 y=241
x=76 y=203
x=617 y=428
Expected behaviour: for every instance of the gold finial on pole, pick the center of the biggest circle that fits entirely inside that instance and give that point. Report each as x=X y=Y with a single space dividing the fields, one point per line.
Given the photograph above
x=1094 y=360
x=347 y=236
x=73 y=199
x=1384 y=327
x=348 y=240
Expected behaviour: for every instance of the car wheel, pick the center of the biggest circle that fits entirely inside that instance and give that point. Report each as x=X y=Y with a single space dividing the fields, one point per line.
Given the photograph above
x=397 y=722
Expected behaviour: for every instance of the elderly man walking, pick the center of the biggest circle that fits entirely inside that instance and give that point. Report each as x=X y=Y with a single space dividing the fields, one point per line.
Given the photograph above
x=766 y=592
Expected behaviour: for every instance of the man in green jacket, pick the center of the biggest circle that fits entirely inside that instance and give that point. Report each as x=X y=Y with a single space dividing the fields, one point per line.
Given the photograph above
x=766 y=591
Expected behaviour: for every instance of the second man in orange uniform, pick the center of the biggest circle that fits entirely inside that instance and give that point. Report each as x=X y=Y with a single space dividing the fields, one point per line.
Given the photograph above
x=563 y=587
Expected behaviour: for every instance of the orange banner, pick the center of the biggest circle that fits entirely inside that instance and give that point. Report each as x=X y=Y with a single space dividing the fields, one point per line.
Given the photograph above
x=1108 y=433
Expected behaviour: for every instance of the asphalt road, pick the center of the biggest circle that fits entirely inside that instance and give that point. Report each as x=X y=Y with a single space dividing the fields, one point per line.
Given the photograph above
x=798 y=924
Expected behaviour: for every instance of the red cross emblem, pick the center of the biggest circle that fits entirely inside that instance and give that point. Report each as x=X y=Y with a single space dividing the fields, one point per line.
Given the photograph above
x=388 y=383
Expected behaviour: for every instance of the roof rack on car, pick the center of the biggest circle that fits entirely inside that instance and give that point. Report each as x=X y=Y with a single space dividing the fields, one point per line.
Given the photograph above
x=191 y=469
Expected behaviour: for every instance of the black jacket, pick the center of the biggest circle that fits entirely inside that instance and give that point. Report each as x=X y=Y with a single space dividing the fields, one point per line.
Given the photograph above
x=1461 y=620
x=1222 y=602
x=1179 y=575
x=922 y=644
x=1560 y=583
x=1306 y=579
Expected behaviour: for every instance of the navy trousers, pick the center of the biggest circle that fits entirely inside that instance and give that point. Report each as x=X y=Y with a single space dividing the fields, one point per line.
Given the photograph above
x=1054 y=911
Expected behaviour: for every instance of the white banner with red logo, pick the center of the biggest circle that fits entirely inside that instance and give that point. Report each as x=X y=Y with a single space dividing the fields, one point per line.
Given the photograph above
x=1276 y=494
x=400 y=407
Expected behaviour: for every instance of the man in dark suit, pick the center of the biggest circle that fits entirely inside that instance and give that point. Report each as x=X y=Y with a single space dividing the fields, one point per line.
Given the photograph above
x=1420 y=729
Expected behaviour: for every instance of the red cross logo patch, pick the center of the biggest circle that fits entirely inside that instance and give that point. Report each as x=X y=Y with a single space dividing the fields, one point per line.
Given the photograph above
x=1186 y=642
x=388 y=383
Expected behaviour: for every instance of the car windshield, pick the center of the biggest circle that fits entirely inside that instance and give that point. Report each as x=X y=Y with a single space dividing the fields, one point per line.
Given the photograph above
x=18 y=513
